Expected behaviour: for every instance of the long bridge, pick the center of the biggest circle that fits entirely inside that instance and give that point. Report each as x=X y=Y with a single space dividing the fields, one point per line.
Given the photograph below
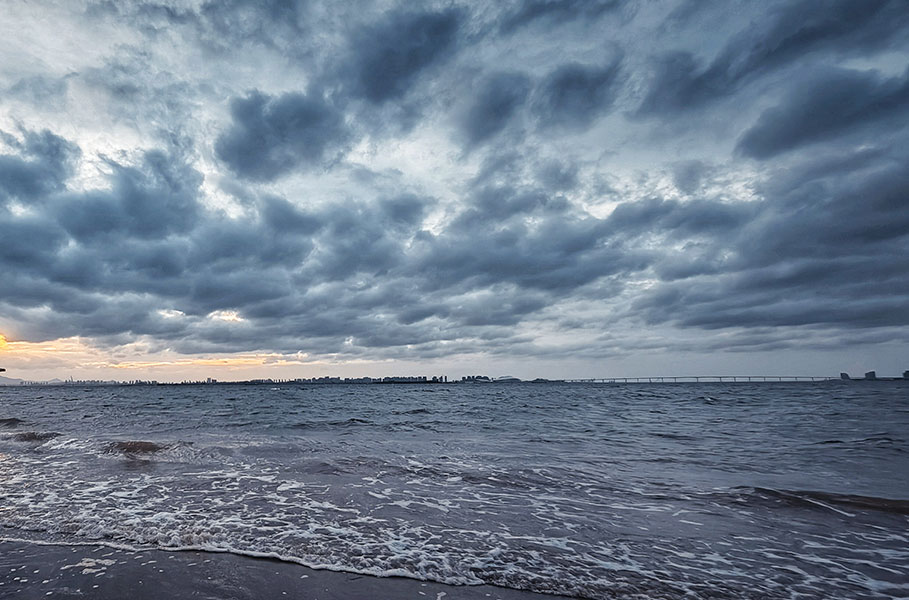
x=704 y=378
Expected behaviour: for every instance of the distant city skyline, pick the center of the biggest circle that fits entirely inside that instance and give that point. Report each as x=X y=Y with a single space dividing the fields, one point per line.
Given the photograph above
x=870 y=376
x=284 y=189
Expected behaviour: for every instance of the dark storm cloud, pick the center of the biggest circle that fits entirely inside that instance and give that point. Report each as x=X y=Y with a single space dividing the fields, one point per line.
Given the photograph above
x=493 y=204
x=680 y=219
x=242 y=288
x=153 y=199
x=42 y=165
x=280 y=215
x=487 y=200
x=557 y=176
x=573 y=95
x=791 y=32
x=29 y=243
x=405 y=211
x=852 y=210
x=554 y=12
x=269 y=269
x=224 y=245
x=81 y=253
x=708 y=309
x=832 y=103
x=388 y=55
x=357 y=241
x=495 y=103
x=826 y=246
x=497 y=308
x=207 y=263
x=558 y=254
x=271 y=136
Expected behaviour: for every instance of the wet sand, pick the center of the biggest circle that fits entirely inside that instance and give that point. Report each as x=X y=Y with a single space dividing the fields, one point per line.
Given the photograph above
x=31 y=571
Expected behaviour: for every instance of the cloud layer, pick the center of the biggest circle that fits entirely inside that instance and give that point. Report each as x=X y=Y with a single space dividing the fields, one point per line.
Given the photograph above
x=540 y=179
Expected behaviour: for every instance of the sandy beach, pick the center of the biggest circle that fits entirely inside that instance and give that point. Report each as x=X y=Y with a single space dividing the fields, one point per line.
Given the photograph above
x=29 y=571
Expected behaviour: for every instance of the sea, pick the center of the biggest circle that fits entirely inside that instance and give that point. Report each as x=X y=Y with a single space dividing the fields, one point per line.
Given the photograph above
x=674 y=490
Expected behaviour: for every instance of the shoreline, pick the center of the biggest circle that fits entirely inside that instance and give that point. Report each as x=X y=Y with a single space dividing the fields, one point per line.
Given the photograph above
x=32 y=570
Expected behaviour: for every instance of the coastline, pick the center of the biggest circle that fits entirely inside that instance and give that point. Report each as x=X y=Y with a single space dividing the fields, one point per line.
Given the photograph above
x=29 y=571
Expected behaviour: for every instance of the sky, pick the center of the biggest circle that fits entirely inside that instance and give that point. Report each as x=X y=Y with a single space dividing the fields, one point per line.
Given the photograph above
x=537 y=188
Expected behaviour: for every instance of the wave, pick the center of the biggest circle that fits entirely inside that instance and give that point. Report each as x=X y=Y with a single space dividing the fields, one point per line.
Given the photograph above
x=839 y=503
x=134 y=447
x=878 y=439
x=350 y=421
x=11 y=422
x=56 y=446
x=415 y=411
x=308 y=529
x=353 y=421
x=462 y=580
x=34 y=436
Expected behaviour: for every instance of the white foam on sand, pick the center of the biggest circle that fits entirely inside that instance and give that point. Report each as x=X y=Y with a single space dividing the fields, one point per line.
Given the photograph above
x=455 y=523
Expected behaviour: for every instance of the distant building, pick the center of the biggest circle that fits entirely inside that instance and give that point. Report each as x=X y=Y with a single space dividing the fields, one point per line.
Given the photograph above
x=845 y=376
x=871 y=375
x=420 y=379
x=905 y=374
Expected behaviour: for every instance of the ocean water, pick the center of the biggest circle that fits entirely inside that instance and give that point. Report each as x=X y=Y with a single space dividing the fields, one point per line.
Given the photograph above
x=770 y=490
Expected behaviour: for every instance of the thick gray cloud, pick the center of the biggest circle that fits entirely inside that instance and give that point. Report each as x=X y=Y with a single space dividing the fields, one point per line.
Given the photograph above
x=575 y=94
x=271 y=136
x=153 y=199
x=831 y=104
x=554 y=12
x=388 y=56
x=825 y=247
x=401 y=182
x=42 y=167
x=789 y=32
x=495 y=103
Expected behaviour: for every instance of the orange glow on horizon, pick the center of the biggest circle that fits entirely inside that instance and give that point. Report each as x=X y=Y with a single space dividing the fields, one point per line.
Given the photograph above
x=239 y=361
x=77 y=357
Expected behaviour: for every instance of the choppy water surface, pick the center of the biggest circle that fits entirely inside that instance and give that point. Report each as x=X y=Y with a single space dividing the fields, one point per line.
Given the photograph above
x=597 y=491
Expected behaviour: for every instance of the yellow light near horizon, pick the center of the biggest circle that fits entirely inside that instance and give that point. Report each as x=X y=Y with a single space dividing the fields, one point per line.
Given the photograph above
x=77 y=357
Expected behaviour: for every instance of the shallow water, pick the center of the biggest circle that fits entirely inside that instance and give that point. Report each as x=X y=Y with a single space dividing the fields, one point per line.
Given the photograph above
x=770 y=490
